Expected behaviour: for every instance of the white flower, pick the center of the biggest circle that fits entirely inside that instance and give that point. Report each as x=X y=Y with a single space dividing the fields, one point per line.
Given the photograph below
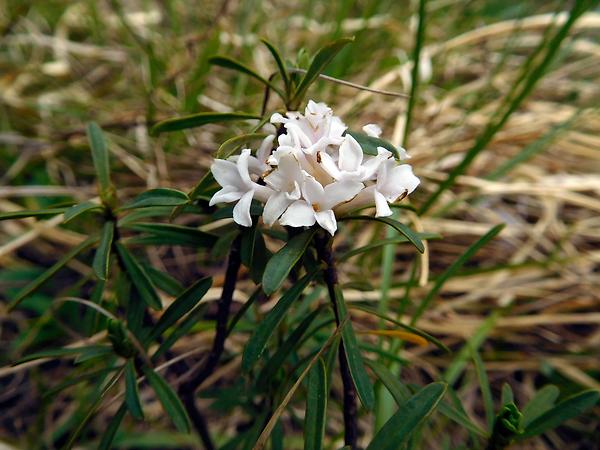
x=318 y=203
x=313 y=172
x=234 y=175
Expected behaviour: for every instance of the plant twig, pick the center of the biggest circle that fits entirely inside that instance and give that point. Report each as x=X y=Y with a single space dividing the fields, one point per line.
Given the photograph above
x=323 y=243
x=187 y=389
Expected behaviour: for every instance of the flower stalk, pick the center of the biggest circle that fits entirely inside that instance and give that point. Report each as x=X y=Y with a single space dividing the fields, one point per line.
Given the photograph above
x=323 y=244
x=187 y=389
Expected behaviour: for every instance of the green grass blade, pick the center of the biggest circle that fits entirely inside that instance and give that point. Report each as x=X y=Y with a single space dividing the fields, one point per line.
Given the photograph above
x=48 y=274
x=454 y=267
x=416 y=59
x=486 y=390
x=528 y=83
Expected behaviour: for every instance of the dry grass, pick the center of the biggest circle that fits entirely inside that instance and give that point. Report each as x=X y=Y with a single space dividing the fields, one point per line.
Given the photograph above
x=541 y=274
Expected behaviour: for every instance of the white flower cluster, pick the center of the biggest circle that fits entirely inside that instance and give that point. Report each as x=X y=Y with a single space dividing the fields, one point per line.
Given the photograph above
x=315 y=172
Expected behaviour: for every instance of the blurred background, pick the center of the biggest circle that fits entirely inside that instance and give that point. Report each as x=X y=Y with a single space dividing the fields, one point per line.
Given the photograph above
x=529 y=299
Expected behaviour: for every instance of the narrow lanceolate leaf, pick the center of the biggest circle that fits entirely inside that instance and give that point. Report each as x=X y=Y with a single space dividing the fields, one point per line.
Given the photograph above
x=316 y=407
x=70 y=352
x=318 y=64
x=411 y=235
x=486 y=390
x=563 y=411
x=543 y=400
x=230 y=146
x=170 y=234
x=102 y=256
x=158 y=197
x=81 y=208
x=383 y=242
x=409 y=328
x=108 y=436
x=199 y=119
x=100 y=157
x=266 y=327
x=181 y=306
x=132 y=394
x=369 y=144
x=169 y=399
x=48 y=274
x=229 y=63
x=280 y=64
x=139 y=278
x=282 y=262
x=363 y=385
x=391 y=382
x=398 y=429
x=31 y=213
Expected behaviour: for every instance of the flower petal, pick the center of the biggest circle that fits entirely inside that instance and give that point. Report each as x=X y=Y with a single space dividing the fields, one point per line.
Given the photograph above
x=382 y=209
x=372 y=130
x=351 y=155
x=329 y=165
x=339 y=192
x=275 y=207
x=226 y=195
x=327 y=220
x=242 y=167
x=226 y=173
x=313 y=191
x=298 y=214
x=263 y=152
x=241 y=211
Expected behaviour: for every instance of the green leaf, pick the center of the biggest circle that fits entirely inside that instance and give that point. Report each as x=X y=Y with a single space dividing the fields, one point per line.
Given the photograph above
x=179 y=331
x=392 y=383
x=369 y=144
x=316 y=407
x=81 y=208
x=108 y=436
x=265 y=328
x=565 y=410
x=280 y=64
x=507 y=427
x=181 y=306
x=163 y=281
x=383 y=242
x=102 y=256
x=543 y=400
x=486 y=390
x=398 y=429
x=169 y=399
x=60 y=352
x=460 y=418
x=48 y=274
x=31 y=213
x=169 y=234
x=101 y=163
x=139 y=278
x=199 y=119
x=292 y=342
x=507 y=394
x=363 y=385
x=282 y=262
x=318 y=64
x=229 y=147
x=132 y=394
x=412 y=237
x=232 y=64
x=409 y=328
x=158 y=197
